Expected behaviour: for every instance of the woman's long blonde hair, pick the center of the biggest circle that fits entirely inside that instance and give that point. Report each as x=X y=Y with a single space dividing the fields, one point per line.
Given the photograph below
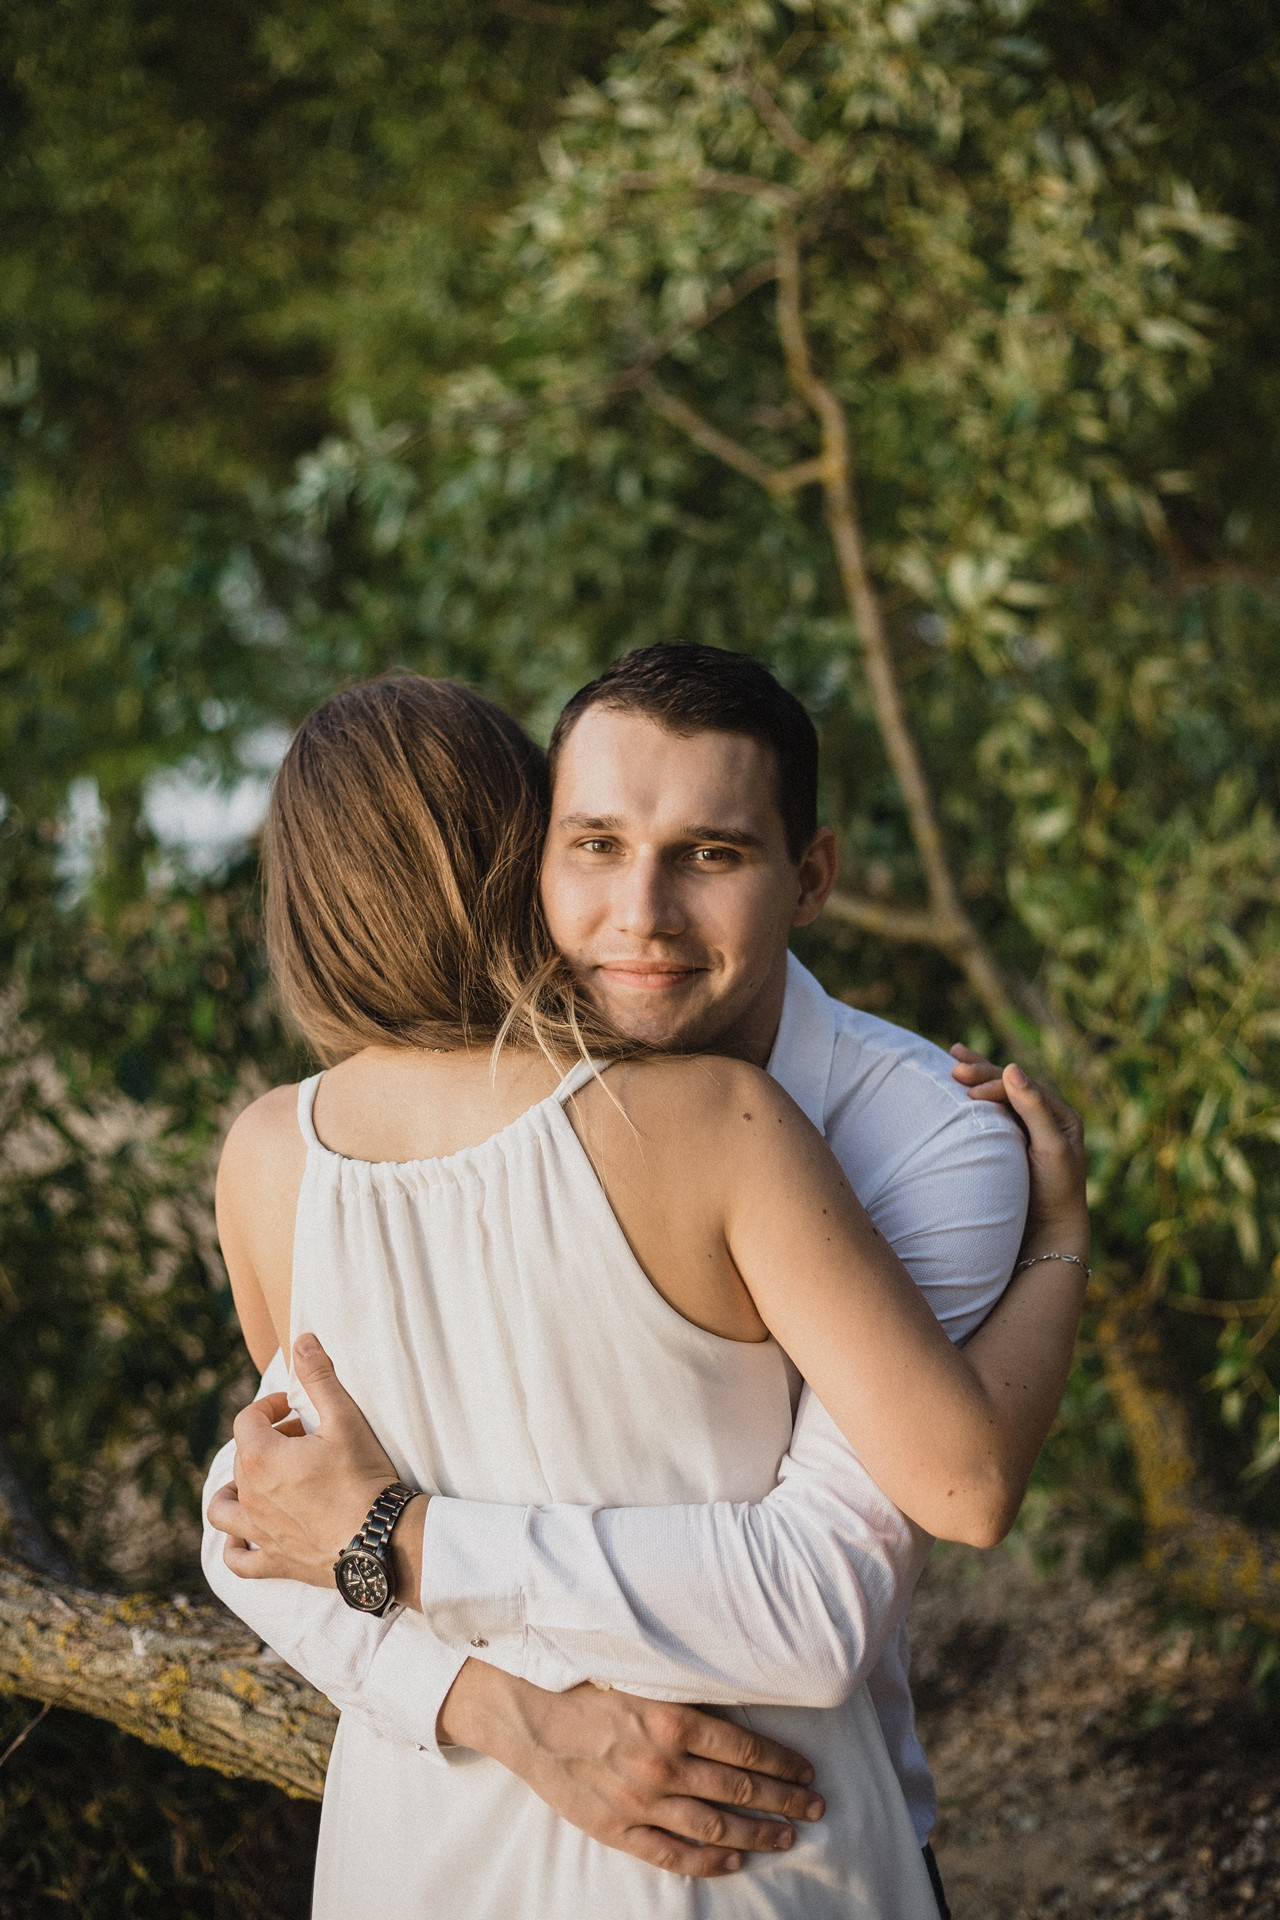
x=402 y=848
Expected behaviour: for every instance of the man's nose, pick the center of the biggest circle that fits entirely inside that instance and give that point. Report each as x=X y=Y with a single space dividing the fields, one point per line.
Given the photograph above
x=647 y=905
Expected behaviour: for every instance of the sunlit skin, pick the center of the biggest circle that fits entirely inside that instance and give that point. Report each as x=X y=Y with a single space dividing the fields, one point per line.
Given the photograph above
x=668 y=884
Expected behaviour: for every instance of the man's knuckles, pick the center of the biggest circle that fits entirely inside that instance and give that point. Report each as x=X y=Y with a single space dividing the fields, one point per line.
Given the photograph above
x=654 y=1772
x=748 y=1752
x=741 y=1788
x=670 y=1726
x=673 y=1858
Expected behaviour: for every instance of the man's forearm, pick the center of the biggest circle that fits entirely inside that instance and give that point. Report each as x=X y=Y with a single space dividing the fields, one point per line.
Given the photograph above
x=787 y=1600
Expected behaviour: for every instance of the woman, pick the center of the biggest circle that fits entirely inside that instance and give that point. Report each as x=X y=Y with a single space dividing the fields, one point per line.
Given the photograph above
x=579 y=1285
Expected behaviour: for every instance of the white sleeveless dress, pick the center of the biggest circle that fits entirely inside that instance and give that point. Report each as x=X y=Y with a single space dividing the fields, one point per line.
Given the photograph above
x=488 y=1315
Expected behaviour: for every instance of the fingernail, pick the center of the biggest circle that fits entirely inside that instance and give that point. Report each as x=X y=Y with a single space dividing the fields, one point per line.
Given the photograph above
x=732 y=1862
x=815 y=1808
x=786 y=1837
x=306 y=1344
x=1017 y=1077
x=806 y=1776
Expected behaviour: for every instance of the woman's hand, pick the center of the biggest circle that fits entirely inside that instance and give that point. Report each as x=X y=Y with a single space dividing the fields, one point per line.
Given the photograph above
x=299 y=1497
x=1058 y=1210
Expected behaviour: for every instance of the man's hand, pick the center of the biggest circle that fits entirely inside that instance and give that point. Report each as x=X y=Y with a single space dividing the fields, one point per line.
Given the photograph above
x=298 y=1496
x=672 y=1785
x=1058 y=1208
x=638 y=1775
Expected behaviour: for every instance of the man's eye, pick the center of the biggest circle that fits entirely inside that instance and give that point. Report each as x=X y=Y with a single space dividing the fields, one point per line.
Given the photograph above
x=594 y=846
x=711 y=856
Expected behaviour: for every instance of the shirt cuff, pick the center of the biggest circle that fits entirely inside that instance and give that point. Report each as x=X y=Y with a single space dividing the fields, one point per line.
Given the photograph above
x=471 y=1589
x=409 y=1693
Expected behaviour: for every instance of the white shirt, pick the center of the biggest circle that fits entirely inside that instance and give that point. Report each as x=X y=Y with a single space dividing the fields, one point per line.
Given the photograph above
x=797 y=1598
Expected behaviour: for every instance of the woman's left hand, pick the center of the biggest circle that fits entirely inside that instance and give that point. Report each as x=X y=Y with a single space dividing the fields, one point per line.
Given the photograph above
x=1058 y=1209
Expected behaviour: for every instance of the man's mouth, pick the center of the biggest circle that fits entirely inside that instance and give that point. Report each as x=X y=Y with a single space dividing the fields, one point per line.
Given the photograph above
x=648 y=976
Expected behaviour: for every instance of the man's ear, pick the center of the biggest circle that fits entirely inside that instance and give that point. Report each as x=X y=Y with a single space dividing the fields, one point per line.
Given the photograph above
x=819 y=865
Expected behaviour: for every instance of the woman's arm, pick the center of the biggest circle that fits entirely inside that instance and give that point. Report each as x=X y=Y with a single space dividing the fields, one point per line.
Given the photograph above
x=256 y=1200
x=950 y=1436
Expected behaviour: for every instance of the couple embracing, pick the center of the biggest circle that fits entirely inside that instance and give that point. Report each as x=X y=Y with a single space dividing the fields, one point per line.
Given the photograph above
x=648 y=1311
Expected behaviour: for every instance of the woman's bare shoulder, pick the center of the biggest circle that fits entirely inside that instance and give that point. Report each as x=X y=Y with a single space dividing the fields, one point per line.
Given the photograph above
x=264 y=1140
x=693 y=1091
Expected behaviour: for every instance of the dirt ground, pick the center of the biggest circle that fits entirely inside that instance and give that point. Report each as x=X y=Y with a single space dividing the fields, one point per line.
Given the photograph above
x=1092 y=1761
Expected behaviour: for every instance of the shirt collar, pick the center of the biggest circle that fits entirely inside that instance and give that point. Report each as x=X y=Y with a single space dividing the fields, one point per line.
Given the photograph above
x=805 y=1044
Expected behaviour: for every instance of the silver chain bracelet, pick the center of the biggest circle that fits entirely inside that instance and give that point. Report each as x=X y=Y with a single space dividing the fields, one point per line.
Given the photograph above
x=1073 y=1259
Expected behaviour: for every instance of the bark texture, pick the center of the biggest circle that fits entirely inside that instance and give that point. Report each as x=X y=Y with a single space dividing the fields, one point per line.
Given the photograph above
x=179 y=1675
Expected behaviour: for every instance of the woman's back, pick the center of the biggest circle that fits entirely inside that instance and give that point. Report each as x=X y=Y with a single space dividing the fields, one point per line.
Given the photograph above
x=486 y=1310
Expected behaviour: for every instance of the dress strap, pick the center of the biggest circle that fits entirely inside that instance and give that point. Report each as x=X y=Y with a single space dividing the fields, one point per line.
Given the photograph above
x=306 y=1107
x=577 y=1077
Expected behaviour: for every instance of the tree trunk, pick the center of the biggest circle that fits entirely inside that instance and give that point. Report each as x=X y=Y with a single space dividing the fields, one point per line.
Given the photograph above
x=180 y=1675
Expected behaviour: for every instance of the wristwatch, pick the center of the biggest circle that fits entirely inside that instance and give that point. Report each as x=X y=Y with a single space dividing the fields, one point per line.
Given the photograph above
x=361 y=1569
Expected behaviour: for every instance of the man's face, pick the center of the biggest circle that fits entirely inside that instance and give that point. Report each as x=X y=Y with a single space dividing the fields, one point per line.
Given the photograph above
x=667 y=882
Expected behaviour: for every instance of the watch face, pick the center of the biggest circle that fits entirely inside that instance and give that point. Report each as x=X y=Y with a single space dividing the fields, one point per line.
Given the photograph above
x=364 y=1581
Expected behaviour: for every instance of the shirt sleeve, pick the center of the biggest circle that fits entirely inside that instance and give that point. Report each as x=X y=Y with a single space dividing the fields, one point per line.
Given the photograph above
x=394 y=1670
x=788 y=1600
x=953 y=1209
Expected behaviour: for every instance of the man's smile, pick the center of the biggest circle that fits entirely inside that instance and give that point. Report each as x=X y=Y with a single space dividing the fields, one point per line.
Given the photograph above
x=648 y=976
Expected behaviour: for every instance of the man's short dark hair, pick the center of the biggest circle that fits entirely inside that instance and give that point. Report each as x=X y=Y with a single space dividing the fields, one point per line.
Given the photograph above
x=692 y=689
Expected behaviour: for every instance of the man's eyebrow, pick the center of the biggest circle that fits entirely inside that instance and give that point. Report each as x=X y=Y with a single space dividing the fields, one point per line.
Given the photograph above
x=614 y=823
x=728 y=836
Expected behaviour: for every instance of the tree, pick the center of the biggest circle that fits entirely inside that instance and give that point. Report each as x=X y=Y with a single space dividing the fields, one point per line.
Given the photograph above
x=855 y=335
x=852 y=334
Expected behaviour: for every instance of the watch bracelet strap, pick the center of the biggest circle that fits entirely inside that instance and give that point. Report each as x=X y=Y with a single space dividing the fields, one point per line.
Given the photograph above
x=381 y=1518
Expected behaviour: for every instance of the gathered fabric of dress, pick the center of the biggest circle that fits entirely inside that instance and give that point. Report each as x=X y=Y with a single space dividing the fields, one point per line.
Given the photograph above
x=487 y=1313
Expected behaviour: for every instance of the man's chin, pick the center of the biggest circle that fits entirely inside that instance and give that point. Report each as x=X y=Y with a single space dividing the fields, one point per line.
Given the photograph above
x=669 y=1029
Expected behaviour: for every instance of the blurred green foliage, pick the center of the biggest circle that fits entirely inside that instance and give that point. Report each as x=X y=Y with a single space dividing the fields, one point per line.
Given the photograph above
x=312 y=323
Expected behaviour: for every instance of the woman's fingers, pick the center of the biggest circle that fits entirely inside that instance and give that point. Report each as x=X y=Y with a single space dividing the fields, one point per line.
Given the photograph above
x=1052 y=1126
x=972 y=1069
x=980 y=1076
x=1012 y=1086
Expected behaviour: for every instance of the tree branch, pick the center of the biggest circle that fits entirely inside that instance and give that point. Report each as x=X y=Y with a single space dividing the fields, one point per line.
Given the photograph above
x=911 y=925
x=781 y=128
x=775 y=480
x=954 y=931
x=944 y=924
x=181 y=1676
x=720 y=303
x=710 y=180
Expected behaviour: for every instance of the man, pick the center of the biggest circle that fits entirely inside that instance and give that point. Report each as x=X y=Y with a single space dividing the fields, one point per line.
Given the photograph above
x=683 y=846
